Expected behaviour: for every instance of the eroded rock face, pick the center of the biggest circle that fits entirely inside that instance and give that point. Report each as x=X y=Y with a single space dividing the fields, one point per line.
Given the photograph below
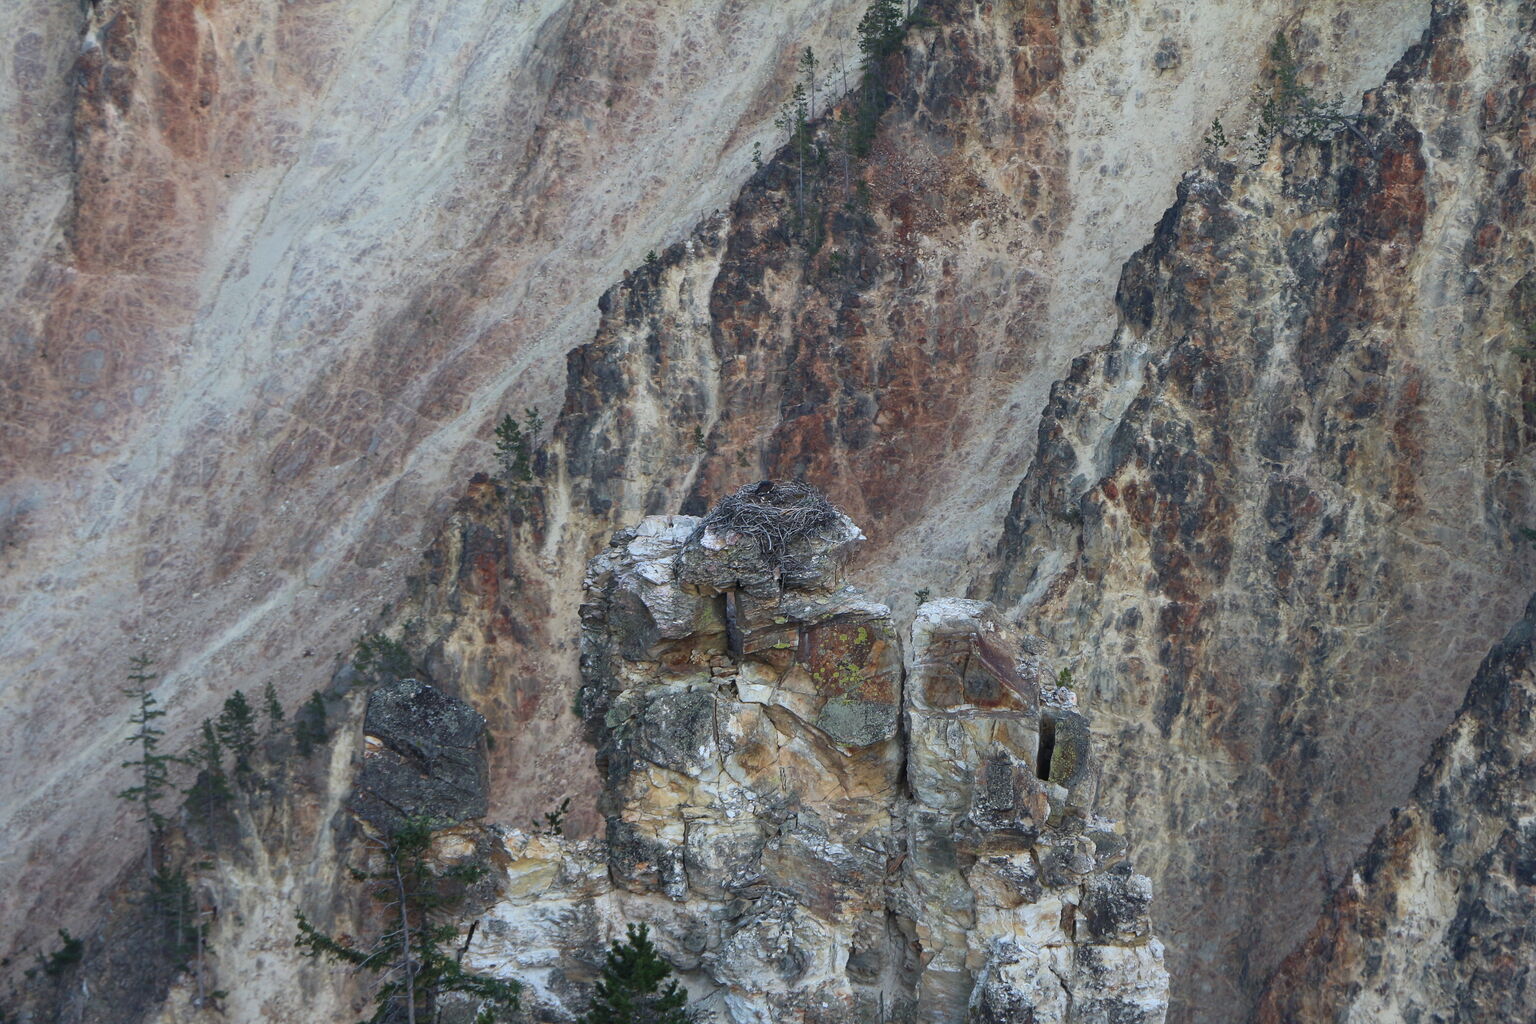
x=238 y=414
x=815 y=831
x=269 y=271
x=423 y=756
x=1434 y=920
x=1276 y=520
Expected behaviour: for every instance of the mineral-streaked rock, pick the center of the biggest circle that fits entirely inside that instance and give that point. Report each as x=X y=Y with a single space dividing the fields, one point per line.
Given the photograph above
x=1275 y=523
x=271 y=269
x=1434 y=921
x=799 y=853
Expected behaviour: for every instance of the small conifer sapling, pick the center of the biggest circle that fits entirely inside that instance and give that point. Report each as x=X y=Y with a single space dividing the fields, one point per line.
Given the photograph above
x=274 y=708
x=631 y=990
x=237 y=729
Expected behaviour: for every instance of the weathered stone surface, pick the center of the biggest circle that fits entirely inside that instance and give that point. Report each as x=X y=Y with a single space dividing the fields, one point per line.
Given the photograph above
x=1005 y=193
x=423 y=756
x=1275 y=519
x=1434 y=920
x=756 y=814
x=269 y=272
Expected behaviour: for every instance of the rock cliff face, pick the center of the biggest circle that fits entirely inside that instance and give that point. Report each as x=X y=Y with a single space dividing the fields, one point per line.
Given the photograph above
x=271 y=269
x=1433 y=922
x=1278 y=516
x=817 y=831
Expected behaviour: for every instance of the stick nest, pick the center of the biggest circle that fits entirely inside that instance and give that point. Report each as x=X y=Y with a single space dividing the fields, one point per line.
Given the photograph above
x=775 y=515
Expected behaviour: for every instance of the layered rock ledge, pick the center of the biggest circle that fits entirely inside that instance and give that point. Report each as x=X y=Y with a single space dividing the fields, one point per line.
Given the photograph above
x=816 y=830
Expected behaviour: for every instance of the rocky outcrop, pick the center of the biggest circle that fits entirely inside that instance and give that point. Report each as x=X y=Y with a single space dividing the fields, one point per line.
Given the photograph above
x=1274 y=521
x=423 y=757
x=269 y=271
x=1433 y=922
x=816 y=831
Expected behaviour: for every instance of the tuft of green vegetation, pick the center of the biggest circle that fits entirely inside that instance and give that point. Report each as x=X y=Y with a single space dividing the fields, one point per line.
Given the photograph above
x=274 y=708
x=236 y=727
x=379 y=658
x=1215 y=139
x=515 y=443
x=210 y=791
x=1064 y=679
x=554 y=821
x=66 y=956
x=1292 y=109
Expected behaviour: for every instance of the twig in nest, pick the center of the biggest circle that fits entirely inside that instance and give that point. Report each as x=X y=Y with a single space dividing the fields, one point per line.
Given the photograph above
x=774 y=515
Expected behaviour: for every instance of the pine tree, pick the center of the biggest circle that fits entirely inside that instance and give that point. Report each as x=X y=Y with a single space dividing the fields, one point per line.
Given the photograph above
x=309 y=728
x=153 y=767
x=515 y=443
x=881 y=31
x=794 y=117
x=410 y=954
x=171 y=896
x=807 y=66
x=274 y=708
x=630 y=991
x=380 y=658
x=237 y=728
x=210 y=790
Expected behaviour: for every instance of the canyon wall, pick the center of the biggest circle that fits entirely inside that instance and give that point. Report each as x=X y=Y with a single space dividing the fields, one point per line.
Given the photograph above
x=1276 y=523
x=271 y=270
x=1433 y=920
x=1270 y=519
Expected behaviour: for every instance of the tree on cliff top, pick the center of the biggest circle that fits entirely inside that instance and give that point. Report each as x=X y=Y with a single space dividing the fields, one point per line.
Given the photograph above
x=236 y=727
x=630 y=991
x=881 y=30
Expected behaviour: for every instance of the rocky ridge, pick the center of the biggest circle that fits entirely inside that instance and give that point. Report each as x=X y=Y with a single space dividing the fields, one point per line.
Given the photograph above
x=816 y=830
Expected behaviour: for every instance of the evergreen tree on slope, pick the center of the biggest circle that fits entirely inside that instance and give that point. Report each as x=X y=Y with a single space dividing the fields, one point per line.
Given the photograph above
x=631 y=991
